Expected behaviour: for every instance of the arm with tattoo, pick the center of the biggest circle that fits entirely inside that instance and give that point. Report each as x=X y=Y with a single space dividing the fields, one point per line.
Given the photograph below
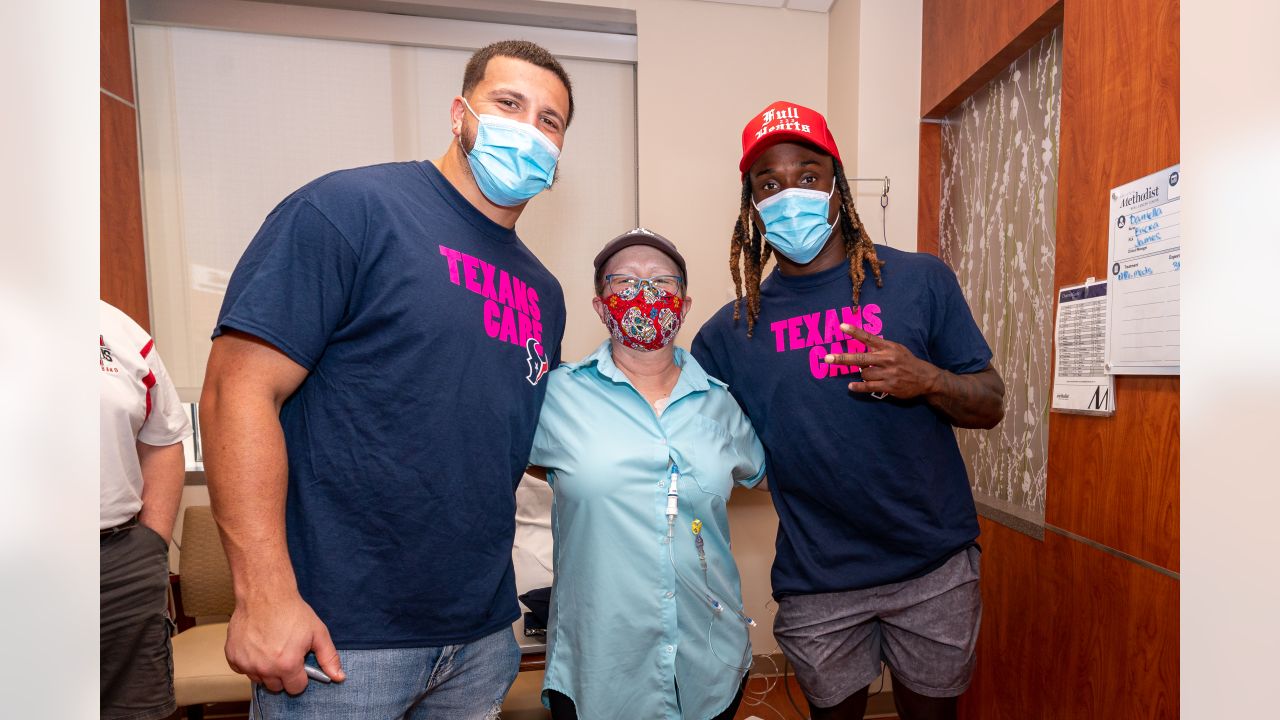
x=969 y=400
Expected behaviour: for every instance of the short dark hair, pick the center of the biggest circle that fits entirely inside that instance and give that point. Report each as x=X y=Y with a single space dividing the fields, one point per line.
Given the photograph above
x=520 y=50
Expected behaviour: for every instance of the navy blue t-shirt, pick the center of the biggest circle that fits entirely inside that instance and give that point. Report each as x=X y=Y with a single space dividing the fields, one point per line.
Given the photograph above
x=868 y=492
x=426 y=329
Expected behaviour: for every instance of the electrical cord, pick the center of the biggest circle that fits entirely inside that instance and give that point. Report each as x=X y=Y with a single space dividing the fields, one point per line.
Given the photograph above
x=884 y=212
x=881 y=688
x=786 y=685
x=758 y=698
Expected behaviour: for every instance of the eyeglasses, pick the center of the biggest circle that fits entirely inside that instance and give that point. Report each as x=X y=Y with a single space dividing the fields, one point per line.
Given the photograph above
x=621 y=283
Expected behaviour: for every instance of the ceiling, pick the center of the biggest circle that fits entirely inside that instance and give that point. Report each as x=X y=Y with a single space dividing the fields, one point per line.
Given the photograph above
x=820 y=6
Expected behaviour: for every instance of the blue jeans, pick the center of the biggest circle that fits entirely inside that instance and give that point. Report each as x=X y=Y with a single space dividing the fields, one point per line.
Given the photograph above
x=459 y=682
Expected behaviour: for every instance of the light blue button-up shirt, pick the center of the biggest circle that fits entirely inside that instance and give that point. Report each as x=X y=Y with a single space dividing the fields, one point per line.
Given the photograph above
x=624 y=627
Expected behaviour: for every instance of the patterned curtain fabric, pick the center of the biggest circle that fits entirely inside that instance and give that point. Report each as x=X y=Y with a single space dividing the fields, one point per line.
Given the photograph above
x=998 y=213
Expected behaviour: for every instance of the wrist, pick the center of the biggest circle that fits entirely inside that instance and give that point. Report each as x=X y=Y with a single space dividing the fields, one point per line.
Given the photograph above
x=159 y=521
x=164 y=530
x=265 y=588
x=935 y=388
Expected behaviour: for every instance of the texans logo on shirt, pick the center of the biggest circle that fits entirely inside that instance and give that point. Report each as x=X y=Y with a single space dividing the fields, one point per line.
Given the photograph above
x=820 y=334
x=511 y=313
x=537 y=361
x=105 y=361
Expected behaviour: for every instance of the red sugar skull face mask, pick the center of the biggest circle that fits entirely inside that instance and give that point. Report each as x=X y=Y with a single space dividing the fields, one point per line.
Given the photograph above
x=644 y=316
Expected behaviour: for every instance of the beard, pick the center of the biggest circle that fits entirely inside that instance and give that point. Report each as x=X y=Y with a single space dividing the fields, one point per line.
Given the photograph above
x=466 y=142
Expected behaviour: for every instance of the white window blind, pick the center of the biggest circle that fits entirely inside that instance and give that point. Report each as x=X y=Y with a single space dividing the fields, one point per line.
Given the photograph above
x=232 y=122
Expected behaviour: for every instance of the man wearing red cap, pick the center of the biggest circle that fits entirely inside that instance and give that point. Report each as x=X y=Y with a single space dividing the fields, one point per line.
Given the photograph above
x=854 y=389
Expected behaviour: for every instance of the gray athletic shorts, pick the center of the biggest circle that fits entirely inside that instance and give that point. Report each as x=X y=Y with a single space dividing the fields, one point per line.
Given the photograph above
x=924 y=629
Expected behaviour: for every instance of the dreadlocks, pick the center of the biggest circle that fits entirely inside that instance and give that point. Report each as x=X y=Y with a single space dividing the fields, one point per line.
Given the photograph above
x=749 y=251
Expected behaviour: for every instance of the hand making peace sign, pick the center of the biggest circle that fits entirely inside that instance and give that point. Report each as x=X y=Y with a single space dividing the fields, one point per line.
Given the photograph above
x=887 y=367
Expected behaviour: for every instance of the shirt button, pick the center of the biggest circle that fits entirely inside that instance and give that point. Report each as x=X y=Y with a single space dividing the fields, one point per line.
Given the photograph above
x=670 y=594
x=670 y=649
x=662 y=483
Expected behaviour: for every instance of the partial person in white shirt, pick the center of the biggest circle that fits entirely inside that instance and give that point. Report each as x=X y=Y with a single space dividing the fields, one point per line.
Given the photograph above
x=142 y=469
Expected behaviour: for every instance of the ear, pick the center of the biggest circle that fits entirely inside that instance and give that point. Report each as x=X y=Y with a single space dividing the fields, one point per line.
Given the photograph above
x=756 y=221
x=457 y=114
x=598 y=305
x=687 y=305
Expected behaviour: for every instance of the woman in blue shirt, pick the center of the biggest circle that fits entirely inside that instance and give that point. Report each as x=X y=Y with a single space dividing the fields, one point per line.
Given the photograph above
x=642 y=449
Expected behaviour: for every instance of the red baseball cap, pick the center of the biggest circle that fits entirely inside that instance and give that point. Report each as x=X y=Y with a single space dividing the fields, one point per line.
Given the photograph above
x=785 y=122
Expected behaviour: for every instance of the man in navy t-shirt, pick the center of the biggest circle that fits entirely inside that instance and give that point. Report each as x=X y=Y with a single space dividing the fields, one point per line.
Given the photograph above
x=854 y=363
x=369 y=407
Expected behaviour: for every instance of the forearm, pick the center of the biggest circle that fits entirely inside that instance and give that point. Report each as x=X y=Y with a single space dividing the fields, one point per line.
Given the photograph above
x=163 y=475
x=247 y=470
x=969 y=400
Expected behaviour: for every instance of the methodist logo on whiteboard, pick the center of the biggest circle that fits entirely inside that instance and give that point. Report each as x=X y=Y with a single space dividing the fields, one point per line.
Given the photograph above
x=1145 y=262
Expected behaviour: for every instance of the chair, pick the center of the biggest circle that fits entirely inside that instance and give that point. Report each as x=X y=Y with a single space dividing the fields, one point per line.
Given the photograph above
x=200 y=671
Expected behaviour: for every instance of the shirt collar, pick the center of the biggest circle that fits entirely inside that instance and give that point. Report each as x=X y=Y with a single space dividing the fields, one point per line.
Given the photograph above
x=692 y=377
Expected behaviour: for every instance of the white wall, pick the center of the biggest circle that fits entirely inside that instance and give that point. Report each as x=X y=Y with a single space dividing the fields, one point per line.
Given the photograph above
x=703 y=70
x=843 y=44
x=1229 y=152
x=889 y=116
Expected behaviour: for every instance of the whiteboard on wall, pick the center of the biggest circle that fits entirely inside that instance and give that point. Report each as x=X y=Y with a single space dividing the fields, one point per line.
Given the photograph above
x=1145 y=270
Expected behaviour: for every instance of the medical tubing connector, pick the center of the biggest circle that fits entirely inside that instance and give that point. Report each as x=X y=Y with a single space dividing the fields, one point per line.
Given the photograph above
x=673 y=496
x=702 y=552
x=673 y=499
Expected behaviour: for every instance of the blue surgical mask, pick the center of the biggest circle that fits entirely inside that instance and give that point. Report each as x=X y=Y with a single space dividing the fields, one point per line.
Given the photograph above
x=511 y=161
x=795 y=222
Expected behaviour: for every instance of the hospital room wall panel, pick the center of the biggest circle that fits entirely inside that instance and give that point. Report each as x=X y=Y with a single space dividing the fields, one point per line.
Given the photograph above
x=123 y=271
x=1070 y=631
x=116 y=71
x=1115 y=480
x=972 y=41
x=1085 y=622
x=927 y=233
